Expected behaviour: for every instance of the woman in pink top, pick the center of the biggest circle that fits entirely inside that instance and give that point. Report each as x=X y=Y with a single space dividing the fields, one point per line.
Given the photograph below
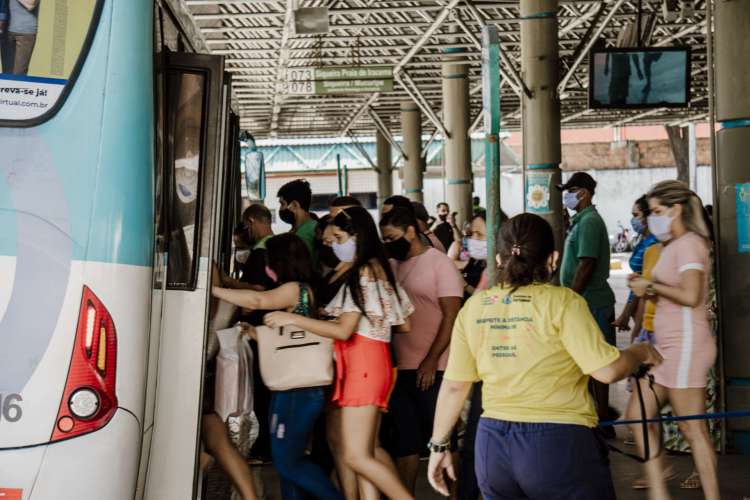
x=681 y=328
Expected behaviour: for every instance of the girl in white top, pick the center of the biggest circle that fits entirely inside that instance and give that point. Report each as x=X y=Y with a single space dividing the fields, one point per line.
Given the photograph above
x=367 y=306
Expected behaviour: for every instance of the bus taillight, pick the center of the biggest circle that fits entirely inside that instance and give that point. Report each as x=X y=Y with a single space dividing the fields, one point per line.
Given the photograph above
x=89 y=399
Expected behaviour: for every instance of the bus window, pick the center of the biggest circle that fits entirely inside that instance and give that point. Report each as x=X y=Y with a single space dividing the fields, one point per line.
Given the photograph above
x=185 y=118
x=42 y=47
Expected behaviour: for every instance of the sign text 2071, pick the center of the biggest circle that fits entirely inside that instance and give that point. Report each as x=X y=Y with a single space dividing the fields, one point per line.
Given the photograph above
x=10 y=409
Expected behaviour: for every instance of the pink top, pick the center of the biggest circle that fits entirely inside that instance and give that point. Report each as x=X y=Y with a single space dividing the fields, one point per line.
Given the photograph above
x=688 y=252
x=425 y=278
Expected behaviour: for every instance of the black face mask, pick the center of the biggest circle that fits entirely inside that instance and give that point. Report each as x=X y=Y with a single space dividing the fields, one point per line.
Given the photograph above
x=443 y=217
x=327 y=257
x=287 y=216
x=398 y=249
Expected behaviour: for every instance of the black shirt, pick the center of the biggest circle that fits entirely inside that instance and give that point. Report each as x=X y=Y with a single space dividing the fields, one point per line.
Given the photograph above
x=444 y=232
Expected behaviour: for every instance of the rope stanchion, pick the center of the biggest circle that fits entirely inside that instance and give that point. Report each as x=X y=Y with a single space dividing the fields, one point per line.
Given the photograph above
x=702 y=416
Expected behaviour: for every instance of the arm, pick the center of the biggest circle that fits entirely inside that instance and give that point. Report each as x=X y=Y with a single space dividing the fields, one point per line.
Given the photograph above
x=623 y=321
x=450 y=402
x=405 y=328
x=449 y=307
x=280 y=298
x=688 y=293
x=584 y=271
x=340 y=329
x=640 y=311
x=628 y=363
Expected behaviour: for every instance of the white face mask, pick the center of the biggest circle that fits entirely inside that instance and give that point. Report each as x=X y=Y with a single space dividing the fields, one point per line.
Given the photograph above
x=242 y=255
x=477 y=249
x=660 y=226
x=570 y=200
x=346 y=251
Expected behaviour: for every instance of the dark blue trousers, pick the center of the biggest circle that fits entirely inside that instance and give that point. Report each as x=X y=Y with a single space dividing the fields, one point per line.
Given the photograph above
x=541 y=462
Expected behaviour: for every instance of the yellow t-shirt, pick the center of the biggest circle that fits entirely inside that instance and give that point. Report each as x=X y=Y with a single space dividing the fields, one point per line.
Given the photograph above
x=650 y=258
x=533 y=351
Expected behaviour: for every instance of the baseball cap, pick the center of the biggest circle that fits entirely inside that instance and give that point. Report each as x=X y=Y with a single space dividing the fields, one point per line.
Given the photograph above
x=579 y=180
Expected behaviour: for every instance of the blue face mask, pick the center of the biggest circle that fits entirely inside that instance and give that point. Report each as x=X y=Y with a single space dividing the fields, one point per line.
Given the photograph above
x=570 y=200
x=638 y=225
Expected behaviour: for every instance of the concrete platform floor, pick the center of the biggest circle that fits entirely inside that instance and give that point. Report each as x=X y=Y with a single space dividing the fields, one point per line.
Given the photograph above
x=734 y=470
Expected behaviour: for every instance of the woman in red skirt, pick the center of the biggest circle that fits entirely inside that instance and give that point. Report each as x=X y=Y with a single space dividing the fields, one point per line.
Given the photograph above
x=369 y=303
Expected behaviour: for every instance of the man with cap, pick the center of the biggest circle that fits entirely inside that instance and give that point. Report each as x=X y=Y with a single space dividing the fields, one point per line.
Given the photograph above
x=585 y=267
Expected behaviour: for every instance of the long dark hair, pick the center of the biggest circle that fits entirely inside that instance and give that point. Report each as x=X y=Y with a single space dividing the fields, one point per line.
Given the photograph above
x=357 y=222
x=526 y=241
x=289 y=258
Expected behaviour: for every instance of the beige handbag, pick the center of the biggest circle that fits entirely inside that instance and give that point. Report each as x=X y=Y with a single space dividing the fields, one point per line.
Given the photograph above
x=293 y=358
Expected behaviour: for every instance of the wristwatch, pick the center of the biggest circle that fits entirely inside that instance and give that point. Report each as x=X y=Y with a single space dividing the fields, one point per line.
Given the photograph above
x=650 y=290
x=441 y=447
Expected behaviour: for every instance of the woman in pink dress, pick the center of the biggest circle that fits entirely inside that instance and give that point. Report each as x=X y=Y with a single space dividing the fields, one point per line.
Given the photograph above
x=681 y=328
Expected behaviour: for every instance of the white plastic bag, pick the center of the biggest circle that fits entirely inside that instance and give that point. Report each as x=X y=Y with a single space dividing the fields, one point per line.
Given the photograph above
x=234 y=388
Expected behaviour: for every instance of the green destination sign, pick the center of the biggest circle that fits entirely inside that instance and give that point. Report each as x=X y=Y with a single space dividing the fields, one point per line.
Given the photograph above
x=352 y=86
x=340 y=80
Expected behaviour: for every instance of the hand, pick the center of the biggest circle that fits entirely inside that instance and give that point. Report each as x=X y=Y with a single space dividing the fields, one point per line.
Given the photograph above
x=247 y=329
x=440 y=465
x=278 y=319
x=647 y=354
x=638 y=286
x=622 y=323
x=426 y=373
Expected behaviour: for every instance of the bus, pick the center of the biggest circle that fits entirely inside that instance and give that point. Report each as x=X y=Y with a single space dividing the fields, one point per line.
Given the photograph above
x=119 y=186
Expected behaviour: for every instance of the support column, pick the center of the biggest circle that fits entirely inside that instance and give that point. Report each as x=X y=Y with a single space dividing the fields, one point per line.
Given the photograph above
x=457 y=147
x=411 y=130
x=541 y=117
x=732 y=207
x=385 y=167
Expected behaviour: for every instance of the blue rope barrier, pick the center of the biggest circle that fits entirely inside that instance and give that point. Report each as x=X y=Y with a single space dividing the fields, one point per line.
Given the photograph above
x=705 y=416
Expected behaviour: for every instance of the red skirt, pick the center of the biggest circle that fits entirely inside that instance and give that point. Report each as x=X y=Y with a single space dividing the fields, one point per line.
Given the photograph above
x=364 y=372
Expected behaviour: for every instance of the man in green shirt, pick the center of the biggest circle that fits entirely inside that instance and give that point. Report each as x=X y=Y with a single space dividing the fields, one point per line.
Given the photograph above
x=585 y=265
x=294 y=200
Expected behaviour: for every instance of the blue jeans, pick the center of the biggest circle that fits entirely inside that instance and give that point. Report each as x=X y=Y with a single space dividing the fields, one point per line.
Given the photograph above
x=604 y=317
x=541 y=461
x=292 y=418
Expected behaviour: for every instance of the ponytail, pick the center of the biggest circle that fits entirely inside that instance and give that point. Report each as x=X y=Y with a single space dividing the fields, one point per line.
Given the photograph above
x=526 y=241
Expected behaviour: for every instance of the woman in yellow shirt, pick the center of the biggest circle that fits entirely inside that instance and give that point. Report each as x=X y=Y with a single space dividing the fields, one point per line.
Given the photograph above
x=534 y=346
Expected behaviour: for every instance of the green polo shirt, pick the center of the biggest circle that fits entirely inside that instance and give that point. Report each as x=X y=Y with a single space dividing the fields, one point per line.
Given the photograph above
x=588 y=237
x=307 y=233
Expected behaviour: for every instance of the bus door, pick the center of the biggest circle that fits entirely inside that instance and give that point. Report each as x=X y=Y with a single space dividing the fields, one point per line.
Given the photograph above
x=193 y=147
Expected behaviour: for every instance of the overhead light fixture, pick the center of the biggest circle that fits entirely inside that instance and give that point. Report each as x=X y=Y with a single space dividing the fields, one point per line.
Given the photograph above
x=670 y=10
x=311 y=21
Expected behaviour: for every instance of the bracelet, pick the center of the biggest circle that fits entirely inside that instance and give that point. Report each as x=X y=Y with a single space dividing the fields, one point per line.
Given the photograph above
x=441 y=447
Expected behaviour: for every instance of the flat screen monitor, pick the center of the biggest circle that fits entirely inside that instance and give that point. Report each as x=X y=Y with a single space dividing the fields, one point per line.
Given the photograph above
x=639 y=78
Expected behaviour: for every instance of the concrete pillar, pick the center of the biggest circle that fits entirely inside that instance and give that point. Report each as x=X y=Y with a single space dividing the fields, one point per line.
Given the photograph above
x=385 y=167
x=541 y=117
x=732 y=206
x=411 y=129
x=457 y=147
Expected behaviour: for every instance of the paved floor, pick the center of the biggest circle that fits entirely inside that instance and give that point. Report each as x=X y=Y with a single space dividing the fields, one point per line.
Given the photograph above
x=734 y=470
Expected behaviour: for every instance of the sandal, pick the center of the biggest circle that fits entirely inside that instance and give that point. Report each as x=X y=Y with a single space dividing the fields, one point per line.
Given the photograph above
x=642 y=483
x=692 y=482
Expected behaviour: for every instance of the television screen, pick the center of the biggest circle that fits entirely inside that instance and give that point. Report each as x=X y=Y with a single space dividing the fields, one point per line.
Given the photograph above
x=639 y=78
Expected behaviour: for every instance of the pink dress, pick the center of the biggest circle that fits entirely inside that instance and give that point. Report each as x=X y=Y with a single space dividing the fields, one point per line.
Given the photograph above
x=683 y=334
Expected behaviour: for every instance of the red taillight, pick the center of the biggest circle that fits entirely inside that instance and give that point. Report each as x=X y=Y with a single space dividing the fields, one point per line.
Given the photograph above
x=89 y=398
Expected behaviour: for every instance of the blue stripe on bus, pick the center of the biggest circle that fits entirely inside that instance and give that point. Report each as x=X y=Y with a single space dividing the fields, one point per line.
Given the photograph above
x=32 y=79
